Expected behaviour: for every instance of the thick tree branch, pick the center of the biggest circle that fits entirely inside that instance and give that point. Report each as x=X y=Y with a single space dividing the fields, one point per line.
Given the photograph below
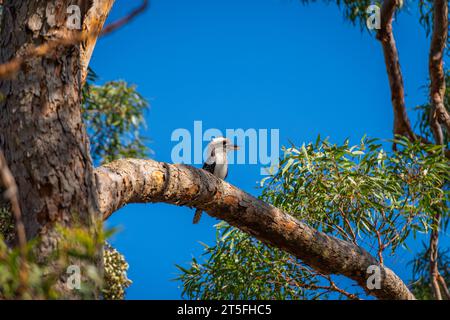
x=147 y=181
x=402 y=125
x=93 y=24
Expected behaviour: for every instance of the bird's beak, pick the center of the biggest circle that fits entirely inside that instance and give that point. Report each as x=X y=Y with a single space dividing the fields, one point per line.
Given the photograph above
x=235 y=147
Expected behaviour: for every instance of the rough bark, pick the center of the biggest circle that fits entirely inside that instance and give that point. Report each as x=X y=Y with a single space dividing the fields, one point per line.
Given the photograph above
x=147 y=181
x=41 y=129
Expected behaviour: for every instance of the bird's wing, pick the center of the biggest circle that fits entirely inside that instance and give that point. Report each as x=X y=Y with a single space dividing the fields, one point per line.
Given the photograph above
x=209 y=167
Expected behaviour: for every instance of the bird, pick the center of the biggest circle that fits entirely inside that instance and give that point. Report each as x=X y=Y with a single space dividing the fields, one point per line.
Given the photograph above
x=216 y=162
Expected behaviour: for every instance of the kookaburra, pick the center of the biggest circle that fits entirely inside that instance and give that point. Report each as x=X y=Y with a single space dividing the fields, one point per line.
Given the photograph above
x=216 y=162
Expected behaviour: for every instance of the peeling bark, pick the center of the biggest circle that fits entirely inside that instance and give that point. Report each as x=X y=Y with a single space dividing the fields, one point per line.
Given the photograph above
x=93 y=24
x=147 y=181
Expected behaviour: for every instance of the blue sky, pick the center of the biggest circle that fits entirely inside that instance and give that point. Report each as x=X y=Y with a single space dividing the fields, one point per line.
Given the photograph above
x=262 y=64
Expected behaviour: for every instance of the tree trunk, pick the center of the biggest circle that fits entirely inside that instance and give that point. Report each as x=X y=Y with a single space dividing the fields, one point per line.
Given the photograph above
x=41 y=129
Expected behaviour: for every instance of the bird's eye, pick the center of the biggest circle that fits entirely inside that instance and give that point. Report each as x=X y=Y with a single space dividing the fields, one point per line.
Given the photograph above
x=224 y=143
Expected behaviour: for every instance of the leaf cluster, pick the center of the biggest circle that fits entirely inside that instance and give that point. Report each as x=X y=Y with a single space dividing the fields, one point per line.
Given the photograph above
x=114 y=114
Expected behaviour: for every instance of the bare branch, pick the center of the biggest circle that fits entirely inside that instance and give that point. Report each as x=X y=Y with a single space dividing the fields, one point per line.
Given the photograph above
x=92 y=29
x=10 y=68
x=93 y=24
x=402 y=125
x=11 y=194
x=439 y=115
x=444 y=286
x=123 y=21
x=331 y=287
x=147 y=181
x=434 y=271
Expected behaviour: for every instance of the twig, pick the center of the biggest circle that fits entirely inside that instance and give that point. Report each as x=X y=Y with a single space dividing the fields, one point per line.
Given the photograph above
x=331 y=287
x=121 y=22
x=11 y=194
x=10 y=68
x=347 y=223
x=381 y=247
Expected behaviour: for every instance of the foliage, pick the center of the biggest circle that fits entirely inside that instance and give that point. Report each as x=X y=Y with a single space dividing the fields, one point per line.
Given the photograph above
x=115 y=274
x=241 y=267
x=7 y=228
x=426 y=14
x=76 y=246
x=353 y=10
x=114 y=115
x=362 y=194
x=362 y=189
x=75 y=243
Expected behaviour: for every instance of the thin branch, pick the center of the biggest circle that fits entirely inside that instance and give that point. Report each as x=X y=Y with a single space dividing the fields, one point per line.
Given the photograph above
x=11 y=195
x=123 y=21
x=347 y=223
x=148 y=181
x=10 y=68
x=335 y=288
x=402 y=125
x=92 y=29
x=434 y=271
x=381 y=247
x=444 y=286
x=331 y=287
x=438 y=116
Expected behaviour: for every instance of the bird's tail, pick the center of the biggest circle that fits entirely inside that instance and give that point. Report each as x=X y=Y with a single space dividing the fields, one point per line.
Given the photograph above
x=197 y=216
